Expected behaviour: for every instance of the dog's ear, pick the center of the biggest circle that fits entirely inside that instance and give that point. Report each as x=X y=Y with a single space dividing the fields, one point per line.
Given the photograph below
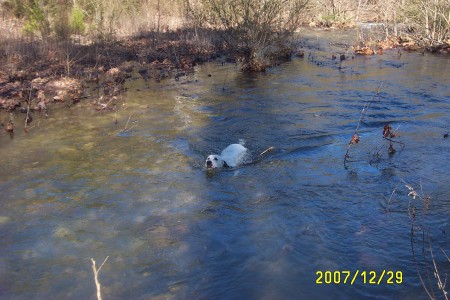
x=225 y=165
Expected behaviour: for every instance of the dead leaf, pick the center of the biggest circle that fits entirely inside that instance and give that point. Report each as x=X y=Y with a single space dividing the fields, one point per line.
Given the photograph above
x=387 y=130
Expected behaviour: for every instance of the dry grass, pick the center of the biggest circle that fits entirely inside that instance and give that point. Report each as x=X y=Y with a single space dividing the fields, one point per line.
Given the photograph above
x=428 y=264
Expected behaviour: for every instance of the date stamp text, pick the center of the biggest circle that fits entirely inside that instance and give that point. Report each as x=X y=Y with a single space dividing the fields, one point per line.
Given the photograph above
x=359 y=277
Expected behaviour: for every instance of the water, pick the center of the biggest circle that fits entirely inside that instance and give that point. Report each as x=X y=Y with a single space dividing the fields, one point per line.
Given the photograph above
x=76 y=187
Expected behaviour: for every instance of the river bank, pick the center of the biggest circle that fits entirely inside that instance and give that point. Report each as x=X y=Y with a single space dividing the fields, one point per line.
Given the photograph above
x=37 y=74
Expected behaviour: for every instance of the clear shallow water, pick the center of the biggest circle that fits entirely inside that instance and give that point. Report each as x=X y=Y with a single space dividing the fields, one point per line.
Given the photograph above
x=76 y=187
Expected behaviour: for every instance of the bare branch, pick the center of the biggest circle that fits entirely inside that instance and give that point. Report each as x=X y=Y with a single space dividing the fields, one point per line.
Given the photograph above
x=96 y=272
x=355 y=137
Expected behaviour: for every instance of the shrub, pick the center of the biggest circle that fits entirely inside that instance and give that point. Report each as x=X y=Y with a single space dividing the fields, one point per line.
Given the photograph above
x=257 y=32
x=430 y=20
x=77 y=25
x=36 y=20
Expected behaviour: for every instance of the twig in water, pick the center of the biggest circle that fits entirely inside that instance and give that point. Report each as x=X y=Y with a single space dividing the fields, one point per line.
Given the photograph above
x=267 y=150
x=27 y=120
x=104 y=106
x=441 y=285
x=10 y=125
x=392 y=194
x=96 y=272
x=412 y=215
x=115 y=118
x=355 y=137
x=126 y=125
x=392 y=141
x=445 y=254
x=387 y=135
x=429 y=268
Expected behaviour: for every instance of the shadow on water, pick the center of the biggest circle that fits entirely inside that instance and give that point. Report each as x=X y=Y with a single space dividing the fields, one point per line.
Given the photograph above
x=79 y=187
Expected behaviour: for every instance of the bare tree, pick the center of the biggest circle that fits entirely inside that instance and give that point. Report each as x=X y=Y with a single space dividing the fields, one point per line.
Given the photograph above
x=429 y=20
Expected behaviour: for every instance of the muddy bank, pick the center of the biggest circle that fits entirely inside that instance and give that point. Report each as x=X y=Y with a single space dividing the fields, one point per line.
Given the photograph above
x=36 y=74
x=403 y=42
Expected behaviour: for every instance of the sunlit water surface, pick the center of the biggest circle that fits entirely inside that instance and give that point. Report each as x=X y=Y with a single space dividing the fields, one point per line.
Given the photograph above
x=76 y=187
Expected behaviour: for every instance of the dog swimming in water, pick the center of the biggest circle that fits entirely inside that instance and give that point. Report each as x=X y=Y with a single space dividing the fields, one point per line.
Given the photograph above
x=231 y=156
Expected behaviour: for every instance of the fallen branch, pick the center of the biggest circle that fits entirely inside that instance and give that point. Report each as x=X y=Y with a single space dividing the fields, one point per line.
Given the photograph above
x=267 y=150
x=96 y=272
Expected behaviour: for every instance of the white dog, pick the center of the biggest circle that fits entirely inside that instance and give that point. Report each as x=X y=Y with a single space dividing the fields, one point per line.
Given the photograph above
x=230 y=157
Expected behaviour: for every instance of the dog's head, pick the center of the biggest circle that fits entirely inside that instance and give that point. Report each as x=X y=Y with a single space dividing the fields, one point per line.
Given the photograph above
x=215 y=161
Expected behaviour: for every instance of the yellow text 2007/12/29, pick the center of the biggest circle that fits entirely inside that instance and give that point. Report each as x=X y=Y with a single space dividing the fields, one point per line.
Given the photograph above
x=359 y=277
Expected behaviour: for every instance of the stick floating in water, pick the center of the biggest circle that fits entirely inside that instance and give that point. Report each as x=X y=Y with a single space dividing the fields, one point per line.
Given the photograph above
x=267 y=150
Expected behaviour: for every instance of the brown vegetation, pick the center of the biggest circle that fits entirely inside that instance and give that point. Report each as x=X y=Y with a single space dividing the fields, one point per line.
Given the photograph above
x=430 y=265
x=364 y=51
x=50 y=50
x=41 y=72
x=256 y=33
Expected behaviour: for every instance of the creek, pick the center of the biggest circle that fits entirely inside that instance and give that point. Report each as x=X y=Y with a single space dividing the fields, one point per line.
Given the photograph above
x=78 y=187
